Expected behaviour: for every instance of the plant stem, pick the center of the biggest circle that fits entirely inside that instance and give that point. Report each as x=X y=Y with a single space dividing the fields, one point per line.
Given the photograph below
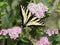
x=27 y=33
x=16 y=43
x=3 y=43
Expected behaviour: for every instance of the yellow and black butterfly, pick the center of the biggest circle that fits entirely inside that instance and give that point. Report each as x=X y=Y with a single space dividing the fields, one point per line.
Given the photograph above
x=26 y=16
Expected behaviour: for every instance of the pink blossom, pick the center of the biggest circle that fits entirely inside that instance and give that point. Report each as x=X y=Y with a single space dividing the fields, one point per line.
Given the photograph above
x=51 y=31
x=39 y=14
x=44 y=8
x=37 y=9
x=38 y=43
x=32 y=7
x=3 y=32
x=17 y=29
x=55 y=31
x=14 y=32
x=13 y=36
x=43 y=41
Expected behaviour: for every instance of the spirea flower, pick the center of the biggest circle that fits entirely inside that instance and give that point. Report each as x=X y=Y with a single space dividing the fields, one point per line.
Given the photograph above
x=3 y=32
x=14 y=32
x=51 y=31
x=43 y=7
x=55 y=31
x=32 y=7
x=43 y=41
x=37 y=9
x=17 y=29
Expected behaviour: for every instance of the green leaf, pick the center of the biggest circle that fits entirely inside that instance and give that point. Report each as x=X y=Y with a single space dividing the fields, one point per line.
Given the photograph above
x=58 y=37
x=34 y=43
x=1 y=37
x=25 y=40
x=5 y=20
x=58 y=23
x=57 y=44
x=58 y=5
x=49 y=0
x=58 y=11
x=3 y=3
x=45 y=2
x=14 y=4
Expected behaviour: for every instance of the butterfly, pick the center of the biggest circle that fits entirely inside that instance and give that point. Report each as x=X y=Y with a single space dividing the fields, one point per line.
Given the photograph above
x=26 y=16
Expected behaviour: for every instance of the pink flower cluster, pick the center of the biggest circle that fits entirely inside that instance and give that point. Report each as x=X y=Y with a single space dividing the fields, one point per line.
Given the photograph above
x=3 y=32
x=12 y=32
x=51 y=31
x=43 y=41
x=37 y=9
